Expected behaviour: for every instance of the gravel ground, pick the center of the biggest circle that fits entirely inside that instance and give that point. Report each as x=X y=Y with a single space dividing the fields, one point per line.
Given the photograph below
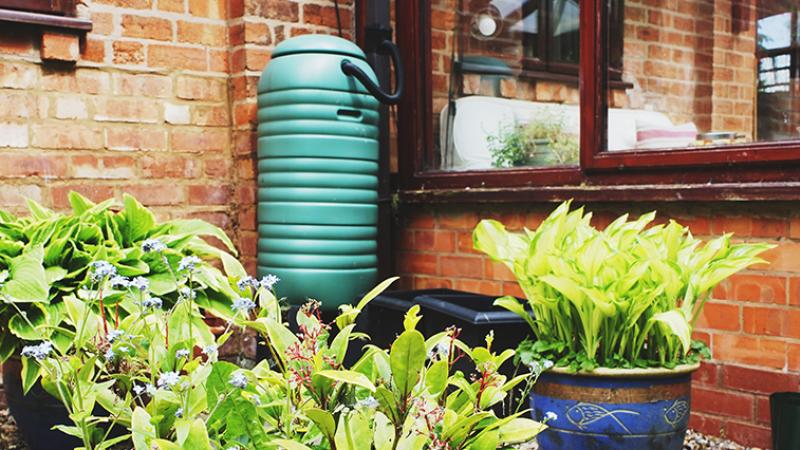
x=10 y=440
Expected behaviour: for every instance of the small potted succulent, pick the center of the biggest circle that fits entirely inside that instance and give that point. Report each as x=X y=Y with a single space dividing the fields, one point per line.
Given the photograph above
x=542 y=142
x=614 y=312
x=46 y=272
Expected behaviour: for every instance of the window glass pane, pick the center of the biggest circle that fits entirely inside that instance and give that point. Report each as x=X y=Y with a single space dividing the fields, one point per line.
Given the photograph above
x=703 y=76
x=505 y=87
x=564 y=24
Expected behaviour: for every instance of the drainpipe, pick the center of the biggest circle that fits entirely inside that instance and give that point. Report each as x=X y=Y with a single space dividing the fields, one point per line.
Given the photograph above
x=376 y=30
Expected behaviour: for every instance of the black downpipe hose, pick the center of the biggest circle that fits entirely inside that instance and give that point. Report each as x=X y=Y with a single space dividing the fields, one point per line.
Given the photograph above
x=390 y=99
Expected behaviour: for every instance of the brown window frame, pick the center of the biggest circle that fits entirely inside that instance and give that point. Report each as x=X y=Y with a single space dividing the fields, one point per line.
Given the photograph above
x=758 y=171
x=48 y=13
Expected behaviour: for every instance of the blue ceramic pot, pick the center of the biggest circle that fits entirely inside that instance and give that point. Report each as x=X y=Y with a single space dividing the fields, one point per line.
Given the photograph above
x=614 y=409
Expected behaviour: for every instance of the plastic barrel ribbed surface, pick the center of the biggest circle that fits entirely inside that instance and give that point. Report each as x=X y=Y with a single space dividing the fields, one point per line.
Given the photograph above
x=317 y=172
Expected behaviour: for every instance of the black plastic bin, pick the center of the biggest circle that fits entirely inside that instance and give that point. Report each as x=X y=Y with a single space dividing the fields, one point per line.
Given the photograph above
x=383 y=318
x=476 y=316
x=785 y=412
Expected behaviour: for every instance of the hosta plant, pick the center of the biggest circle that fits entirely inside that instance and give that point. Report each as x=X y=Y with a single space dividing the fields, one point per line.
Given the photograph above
x=626 y=296
x=46 y=277
x=169 y=390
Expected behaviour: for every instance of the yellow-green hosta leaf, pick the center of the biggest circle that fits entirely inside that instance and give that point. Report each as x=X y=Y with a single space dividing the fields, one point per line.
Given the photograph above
x=491 y=237
x=512 y=304
x=199 y=227
x=27 y=281
x=677 y=324
x=411 y=318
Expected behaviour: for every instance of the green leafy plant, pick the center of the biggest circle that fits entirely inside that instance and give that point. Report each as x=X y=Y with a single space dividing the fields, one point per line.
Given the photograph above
x=174 y=393
x=45 y=265
x=627 y=296
x=541 y=142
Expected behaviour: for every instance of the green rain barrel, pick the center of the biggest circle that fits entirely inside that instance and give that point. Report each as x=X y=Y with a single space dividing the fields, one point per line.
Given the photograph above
x=317 y=172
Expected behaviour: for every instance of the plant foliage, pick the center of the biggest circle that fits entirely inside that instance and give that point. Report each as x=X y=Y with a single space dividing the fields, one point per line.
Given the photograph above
x=627 y=296
x=163 y=386
x=46 y=257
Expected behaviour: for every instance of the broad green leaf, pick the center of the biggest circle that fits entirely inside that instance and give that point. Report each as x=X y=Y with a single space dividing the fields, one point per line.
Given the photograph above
x=198 y=227
x=436 y=377
x=27 y=281
x=30 y=373
x=383 y=434
x=139 y=221
x=289 y=445
x=142 y=430
x=520 y=430
x=198 y=436
x=349 y=377
x=79 y=203
x=325 y=422
x=406 y=358
x=340 y=343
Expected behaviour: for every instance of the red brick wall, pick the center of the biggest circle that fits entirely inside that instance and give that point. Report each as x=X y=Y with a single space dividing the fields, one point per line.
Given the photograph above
x=752 y=324
x=158 y=101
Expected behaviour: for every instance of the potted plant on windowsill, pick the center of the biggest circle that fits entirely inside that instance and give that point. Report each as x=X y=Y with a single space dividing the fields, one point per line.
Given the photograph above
x=614 y=312
x=45 y=262
x=540 y=143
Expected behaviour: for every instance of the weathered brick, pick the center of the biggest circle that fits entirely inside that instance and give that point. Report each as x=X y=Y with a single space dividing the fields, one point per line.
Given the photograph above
x=174 y=57
x=720 y=316
x=77 y=137
x=139 y=4
x=172 y=5
x=146 y=27
x=758 y=381
x=17 y=104
x=202 y=33
x=127 y=110
x=43 y=165
x=723 y=403
x=71 y=107
x=58 y=46
x=85 y=81
x=176 y=114
x=214 y=9
x=199 y=88
x=162 y=194
x=128 y=52
x=199 y=140
x=142 y=85
x=16 y=195
x=136 y=138
x=13 y=135
x=94 y=50
x=209 y=194
x=170 y=166
x=18 y=76
x=749 y=350
x=214 y=116
x=461 y=266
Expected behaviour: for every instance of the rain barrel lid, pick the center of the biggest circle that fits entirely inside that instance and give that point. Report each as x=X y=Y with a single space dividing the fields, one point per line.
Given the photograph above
x=318 y=43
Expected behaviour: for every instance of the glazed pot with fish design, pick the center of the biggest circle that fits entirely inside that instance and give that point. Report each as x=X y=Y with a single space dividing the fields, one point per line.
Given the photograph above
x=614 y=409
